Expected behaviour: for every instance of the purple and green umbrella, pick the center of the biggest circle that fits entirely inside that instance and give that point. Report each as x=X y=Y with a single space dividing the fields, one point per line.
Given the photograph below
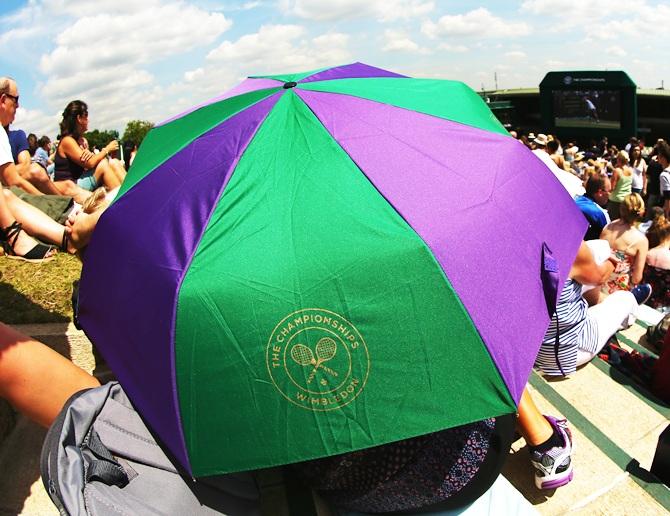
x=322 y=262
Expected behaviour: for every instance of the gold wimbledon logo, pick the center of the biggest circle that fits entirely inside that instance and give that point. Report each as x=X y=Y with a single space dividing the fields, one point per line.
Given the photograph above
x=317 y=359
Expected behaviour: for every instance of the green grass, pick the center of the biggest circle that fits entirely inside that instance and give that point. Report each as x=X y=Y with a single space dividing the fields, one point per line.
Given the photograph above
x=37 y=293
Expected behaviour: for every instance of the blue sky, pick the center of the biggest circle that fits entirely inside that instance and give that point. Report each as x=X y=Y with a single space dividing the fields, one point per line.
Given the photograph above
x=151 y=59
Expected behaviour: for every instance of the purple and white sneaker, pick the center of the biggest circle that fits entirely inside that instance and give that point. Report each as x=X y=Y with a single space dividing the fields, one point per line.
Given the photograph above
x=553 y=468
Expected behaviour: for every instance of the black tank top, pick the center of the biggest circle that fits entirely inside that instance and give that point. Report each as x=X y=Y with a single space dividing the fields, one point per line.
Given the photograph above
x=64 y=168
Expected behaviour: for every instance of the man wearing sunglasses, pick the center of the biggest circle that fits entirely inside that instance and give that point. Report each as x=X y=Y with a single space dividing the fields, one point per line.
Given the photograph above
x=9 y=103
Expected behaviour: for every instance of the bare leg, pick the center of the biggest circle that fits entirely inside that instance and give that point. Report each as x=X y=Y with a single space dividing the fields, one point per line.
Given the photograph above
x=105 y=174
x=531 y=424
x=35 y=379
x=23 y=243
x=34 y=221
x=41 y=180
x=71 y=189
x=119 y=169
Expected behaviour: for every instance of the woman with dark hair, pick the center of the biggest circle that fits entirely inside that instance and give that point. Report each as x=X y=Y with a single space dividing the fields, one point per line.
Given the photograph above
x=73 y=163
x=32 y=144
x=129 y=151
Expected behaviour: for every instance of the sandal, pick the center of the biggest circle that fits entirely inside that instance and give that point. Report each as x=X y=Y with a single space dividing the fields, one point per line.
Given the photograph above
x=64 y=242
x=37 y=254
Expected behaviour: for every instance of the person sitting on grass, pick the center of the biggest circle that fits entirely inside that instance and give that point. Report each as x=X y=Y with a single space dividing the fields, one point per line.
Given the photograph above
x=41 y=156
x=9 y=103
x=15 y=242
x=80 y=224
x=37 y=223
x=28 y=169
x=72 y=163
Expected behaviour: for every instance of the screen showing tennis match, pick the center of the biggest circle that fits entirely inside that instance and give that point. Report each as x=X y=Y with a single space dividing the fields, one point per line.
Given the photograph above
x=587 y=108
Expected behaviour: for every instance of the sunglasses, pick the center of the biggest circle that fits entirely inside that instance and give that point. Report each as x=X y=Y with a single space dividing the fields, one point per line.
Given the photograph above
x=15 y=98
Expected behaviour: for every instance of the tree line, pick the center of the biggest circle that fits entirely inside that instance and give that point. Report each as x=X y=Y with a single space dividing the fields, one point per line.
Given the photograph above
x=134 y=133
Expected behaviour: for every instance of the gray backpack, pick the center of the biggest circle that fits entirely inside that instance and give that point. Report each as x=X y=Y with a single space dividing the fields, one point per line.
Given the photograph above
x=99 y=458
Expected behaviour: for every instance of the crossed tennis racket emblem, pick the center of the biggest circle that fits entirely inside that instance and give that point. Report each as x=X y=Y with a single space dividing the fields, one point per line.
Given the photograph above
x=325 y=351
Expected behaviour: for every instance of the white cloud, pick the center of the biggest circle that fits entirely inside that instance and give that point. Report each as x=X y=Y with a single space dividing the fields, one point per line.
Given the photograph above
x=577 y=10
x=282 y=48
x=556 y=64
x=151 y=34
x=616 y=51
x=614 y=65
x=602 y=20
x=453 y=48
x=36 y=121
x=269 y=41
x=101 y=55
x=83 y=7
x=22 y=33
x=272 y=49
x=331 y=48
x=101 y=84
x=400 y=41
x=480 y=23
x=383 y=10
x=194 y=75
x=515 y=54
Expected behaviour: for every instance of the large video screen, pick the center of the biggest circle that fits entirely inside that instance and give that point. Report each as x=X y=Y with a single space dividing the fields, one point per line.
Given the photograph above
x=587 y=108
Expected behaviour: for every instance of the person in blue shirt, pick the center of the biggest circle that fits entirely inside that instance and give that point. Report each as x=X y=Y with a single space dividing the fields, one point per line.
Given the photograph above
x=592 y=205
x=41 y=155
x=33 y=172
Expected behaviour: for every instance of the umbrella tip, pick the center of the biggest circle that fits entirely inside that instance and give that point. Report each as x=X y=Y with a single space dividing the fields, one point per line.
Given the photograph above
x=291 y=84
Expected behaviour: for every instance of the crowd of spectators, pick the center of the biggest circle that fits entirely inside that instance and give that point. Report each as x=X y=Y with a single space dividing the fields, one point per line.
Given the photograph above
x=624 y=195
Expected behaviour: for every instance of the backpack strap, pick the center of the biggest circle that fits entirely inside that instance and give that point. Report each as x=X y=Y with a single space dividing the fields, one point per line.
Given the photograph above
x=103 y=468
x=49 y=457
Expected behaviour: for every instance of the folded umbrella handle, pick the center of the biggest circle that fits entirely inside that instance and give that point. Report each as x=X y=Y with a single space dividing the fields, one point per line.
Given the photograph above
x=549 y=275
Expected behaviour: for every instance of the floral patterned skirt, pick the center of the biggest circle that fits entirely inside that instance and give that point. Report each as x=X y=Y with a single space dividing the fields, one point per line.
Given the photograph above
x=403 y=475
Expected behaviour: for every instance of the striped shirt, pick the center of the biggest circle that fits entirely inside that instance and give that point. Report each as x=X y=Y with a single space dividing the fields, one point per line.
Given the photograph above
x=575 y=330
